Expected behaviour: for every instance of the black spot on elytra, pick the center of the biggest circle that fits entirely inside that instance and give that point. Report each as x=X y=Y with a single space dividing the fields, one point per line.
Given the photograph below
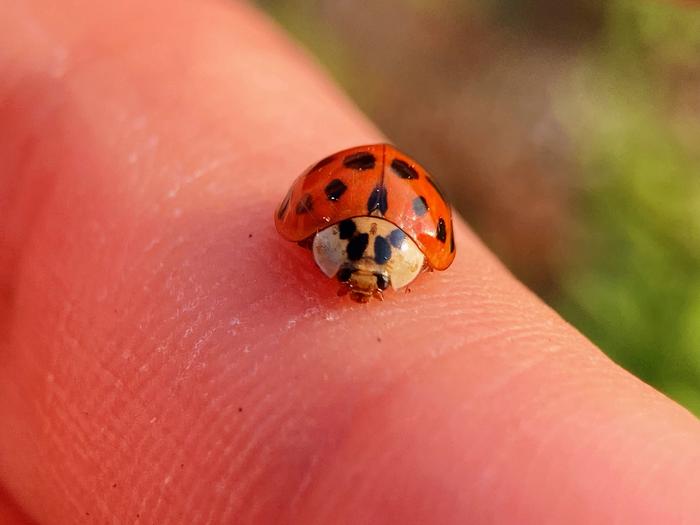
x=420 y=206
x=344 y=275
x=360 y=161
x=285 y=204
x=323 y=162
x=347 y=228
x=382 y=284
x=305 y=204
x=382 y=250
x=377 y=200
x=403 y=169
x=357 y=246
x=396 y=238
x=441 y=234
x=437 y=188
x=335 y=189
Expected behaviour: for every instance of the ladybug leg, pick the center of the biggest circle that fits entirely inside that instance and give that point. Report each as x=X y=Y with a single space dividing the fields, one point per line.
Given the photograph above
x=359 y=297
x=377 y=294
x=343 y=290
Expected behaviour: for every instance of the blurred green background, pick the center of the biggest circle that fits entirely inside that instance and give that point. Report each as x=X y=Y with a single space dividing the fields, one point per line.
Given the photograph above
x=567 y=133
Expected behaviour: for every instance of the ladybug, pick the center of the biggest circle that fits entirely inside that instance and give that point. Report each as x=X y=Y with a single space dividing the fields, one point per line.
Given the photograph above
x=372 y=217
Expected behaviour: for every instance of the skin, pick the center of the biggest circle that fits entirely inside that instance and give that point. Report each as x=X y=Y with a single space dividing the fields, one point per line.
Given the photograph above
x=165 y=357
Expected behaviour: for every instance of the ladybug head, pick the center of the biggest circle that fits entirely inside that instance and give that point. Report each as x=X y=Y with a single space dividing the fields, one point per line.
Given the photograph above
x=367 y=255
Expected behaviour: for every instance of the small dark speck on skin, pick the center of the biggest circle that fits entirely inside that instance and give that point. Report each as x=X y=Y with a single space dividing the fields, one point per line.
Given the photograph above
x=250 y=235
x=240 y=409
x=114 y=485
x=379 y=339
x=182 y=465
x=138 y=515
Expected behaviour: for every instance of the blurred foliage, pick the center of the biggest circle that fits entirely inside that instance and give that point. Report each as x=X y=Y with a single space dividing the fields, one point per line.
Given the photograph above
x=591 y=105
x=635 y=288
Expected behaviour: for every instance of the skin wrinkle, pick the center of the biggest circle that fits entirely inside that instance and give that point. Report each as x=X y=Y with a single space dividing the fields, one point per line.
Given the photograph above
x=495 y=336
x=105 y=431
x=246 y=451
x=539 y=454
x=19 y=214
x=478 y=397
x=370 y=482
x=56 y=426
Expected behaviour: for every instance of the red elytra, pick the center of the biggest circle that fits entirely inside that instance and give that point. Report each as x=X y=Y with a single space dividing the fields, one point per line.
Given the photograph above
x=374 y=180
